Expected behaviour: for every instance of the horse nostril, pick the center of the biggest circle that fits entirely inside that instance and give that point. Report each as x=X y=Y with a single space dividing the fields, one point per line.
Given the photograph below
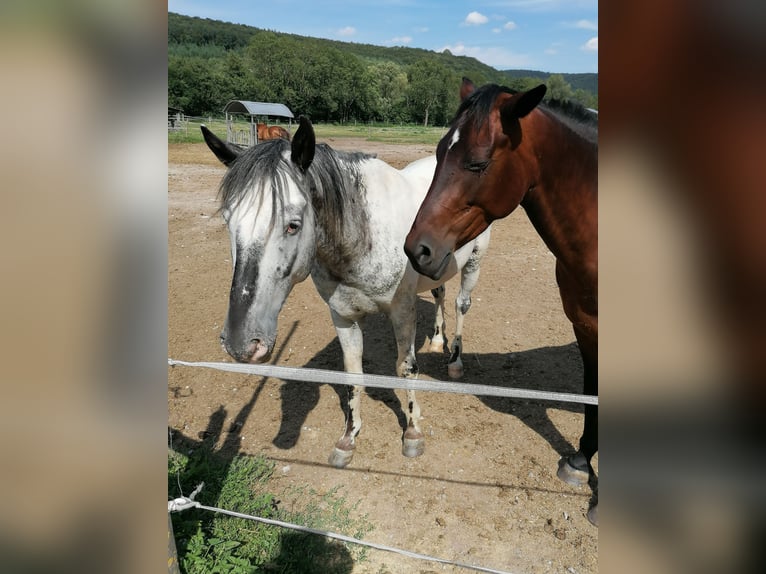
x=423 y=254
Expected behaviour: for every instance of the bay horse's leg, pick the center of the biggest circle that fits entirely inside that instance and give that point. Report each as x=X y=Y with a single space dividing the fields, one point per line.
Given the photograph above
x=581 y=308
x=576 y=469
x=403 y=318
x=351 y=341
x=437 y=339
x=469 y=277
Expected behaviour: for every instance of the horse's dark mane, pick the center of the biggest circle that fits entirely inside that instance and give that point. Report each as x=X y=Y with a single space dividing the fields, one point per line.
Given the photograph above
x=575 y=116
x=333 y=184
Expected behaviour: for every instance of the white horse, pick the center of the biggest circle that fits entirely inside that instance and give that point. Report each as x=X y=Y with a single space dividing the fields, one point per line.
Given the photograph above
x=299 y=208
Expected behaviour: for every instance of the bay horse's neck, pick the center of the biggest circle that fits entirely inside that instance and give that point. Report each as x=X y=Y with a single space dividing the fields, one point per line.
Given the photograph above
x=562 y=203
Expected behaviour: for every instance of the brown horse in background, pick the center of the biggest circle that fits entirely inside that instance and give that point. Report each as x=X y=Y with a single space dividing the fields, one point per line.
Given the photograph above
x=266 y=132
x=502 y=151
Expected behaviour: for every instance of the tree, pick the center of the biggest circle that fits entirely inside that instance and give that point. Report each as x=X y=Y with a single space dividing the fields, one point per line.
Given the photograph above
x=388 y=83
x=586 y=98
x=428 y=88
x=558 y=88
x=198 y=86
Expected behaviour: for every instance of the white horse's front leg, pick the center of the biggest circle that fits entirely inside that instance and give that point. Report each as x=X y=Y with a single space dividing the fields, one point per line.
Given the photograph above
x=404 y=321
x=351 y=341
x=437 y=339
x=469 y=277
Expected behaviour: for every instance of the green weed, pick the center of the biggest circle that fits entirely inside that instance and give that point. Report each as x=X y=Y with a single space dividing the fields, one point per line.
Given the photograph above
x=213 y=543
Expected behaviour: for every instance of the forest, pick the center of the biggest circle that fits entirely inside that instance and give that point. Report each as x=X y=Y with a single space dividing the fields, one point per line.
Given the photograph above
x=211 y=62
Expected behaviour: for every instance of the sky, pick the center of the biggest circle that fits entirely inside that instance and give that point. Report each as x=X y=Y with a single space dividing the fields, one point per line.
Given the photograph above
x=556 y=36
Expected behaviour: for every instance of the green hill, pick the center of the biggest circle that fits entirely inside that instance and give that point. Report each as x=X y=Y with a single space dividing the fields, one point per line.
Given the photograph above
x=211 y=62
x=584 y=81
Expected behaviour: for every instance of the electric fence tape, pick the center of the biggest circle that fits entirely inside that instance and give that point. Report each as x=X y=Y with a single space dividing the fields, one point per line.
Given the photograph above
x=384 y=382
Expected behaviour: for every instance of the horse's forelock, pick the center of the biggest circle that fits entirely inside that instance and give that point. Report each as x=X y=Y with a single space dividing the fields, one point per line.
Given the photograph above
x=333 y=183
x=479 y=104
x=245 y=181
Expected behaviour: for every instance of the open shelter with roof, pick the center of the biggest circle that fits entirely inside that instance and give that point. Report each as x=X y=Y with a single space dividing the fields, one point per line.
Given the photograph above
x=249 y=136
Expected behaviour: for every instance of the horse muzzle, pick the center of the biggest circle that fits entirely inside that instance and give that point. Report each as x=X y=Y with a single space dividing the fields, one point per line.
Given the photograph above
x=425 y=259
x=252 y=351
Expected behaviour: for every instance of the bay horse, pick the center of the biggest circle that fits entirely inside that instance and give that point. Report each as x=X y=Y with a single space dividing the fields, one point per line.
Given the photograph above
x=301 y=208
x=266 y=132
x=503 y=150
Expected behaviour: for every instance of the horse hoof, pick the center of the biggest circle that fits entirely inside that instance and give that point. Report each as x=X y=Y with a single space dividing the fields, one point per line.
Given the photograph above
x=455 y=370
x=572 y=475
x=593 y=514
x=340 y=458
x=412 y=447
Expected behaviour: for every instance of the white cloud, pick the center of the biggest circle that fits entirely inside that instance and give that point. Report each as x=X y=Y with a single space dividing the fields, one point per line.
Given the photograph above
x=347 y=31
x=585 y=25
x=475 y=19
x=510 y=25
x=551 y=51
x=422 y=29
x=548 y=5
x=399 y=40
x=591 y=45
x=496 y=30
x=499 y=58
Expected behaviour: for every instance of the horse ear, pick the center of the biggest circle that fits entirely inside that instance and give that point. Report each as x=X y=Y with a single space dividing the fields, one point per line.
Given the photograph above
x=222 y=150
x=525 y=102
x=303 y=145
x=466 y=88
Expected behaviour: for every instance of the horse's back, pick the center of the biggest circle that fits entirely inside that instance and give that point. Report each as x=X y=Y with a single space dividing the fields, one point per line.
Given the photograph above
x=279 y=132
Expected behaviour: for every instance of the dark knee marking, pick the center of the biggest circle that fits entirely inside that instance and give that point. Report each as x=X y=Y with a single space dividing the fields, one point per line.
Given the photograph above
x=410 y=370
x=465 y=305
x=473 y=262
x=409 y=366
x=438 y=292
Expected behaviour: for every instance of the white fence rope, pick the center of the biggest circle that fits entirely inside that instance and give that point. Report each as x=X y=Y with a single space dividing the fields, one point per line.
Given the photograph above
x=183 y=503
x=322 y=376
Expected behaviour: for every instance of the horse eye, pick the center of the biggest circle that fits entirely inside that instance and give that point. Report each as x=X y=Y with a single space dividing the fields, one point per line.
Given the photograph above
x=293 y=227
x=477 y=166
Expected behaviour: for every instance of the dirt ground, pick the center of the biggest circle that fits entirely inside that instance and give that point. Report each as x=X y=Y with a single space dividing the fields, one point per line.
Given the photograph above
x=485 y=492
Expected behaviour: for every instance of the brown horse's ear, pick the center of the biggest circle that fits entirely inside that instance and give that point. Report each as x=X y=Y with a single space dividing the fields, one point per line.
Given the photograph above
x=466 y=88
x=523 y=103
x=303 y=145
x=222 y=150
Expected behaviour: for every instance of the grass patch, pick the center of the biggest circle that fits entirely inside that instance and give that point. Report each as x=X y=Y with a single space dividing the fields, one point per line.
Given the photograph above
x=212 y=543
x=190 y=132
x=385 y=133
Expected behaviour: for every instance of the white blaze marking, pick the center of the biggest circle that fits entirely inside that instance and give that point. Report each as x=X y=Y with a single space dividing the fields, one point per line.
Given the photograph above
x=455 y=138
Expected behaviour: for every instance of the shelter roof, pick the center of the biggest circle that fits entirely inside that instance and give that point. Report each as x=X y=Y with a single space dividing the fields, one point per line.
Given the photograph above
x=258 y=109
